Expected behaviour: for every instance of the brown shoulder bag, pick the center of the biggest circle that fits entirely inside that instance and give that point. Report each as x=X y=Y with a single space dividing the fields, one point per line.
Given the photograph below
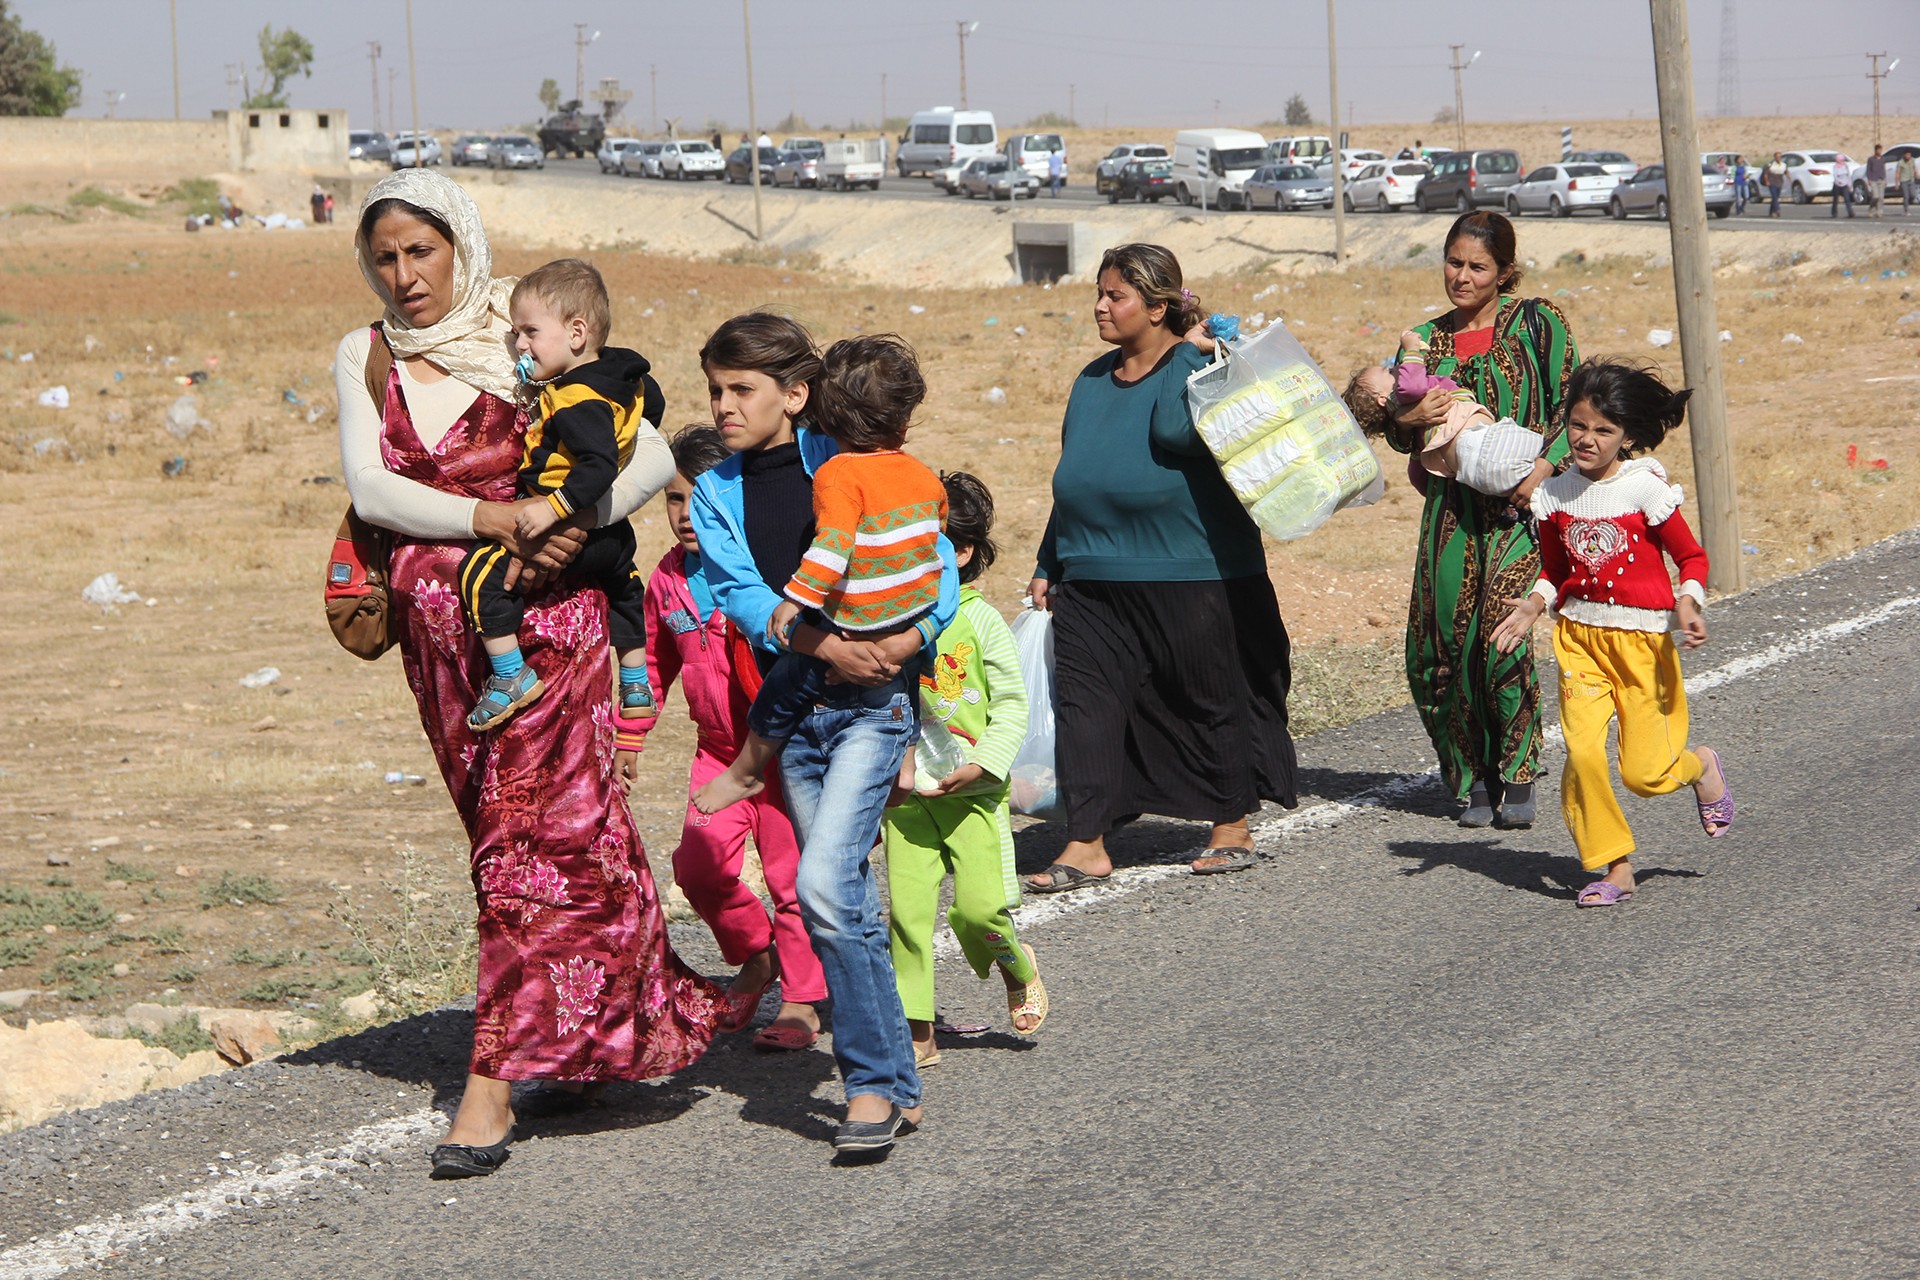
x=359 y=604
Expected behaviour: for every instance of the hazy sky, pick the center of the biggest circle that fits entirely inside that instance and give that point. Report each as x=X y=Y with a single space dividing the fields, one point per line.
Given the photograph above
x=1147 y=62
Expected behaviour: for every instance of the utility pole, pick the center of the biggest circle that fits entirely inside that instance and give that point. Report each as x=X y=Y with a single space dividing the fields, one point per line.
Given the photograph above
x=753 y=119
x=233 y=81
x=1073 y=116
x=413 y=92
x=1727 y=104
x=966 y=29
x=580 y=42
x=653 y=96
x=1693 y=295
x=393 y=117
x=373 y=62
x=173 y=18
x=883 y=102
x=1459 y=98
x=1874 y=74
x=1339 y=160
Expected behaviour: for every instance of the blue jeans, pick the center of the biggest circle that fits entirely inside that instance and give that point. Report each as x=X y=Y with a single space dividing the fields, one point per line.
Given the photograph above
x=788 y=692
x=838 y=768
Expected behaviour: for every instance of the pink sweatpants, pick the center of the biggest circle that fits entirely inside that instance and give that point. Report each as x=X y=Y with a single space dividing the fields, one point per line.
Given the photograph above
x=707 y=865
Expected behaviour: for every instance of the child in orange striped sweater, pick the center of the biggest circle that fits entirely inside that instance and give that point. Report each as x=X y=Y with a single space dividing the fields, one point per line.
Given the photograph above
x=873 y=567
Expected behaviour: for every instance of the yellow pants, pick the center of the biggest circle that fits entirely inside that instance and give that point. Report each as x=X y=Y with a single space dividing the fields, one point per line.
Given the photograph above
x=1635 y=675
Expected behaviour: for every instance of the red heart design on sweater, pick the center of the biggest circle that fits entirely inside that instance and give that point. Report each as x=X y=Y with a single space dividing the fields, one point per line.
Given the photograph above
x=1594 y=542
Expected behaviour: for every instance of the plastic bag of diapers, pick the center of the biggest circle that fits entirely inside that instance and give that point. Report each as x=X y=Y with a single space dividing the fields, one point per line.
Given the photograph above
x=1285 y=442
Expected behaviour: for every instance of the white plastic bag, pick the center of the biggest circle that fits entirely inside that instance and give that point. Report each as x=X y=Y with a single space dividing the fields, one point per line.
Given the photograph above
x=1034 y=785
x=1285 y=442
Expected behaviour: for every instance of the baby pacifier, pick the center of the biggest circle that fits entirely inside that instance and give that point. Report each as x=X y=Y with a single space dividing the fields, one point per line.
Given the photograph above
x=523 y=368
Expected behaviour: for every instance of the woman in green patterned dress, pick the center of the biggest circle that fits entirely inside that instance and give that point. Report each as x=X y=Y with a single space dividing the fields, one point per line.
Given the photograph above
x=1481 y=708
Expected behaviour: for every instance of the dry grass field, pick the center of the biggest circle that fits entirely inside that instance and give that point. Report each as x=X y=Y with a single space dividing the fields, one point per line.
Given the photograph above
x=163 y=828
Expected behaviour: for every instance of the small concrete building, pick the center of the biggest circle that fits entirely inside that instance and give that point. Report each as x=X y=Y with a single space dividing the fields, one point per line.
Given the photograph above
x=309 y=138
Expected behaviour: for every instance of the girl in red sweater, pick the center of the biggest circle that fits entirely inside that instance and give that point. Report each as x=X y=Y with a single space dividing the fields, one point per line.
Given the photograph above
x=1603 y=526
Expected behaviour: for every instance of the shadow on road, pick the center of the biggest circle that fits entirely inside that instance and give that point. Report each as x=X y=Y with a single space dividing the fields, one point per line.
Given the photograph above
x=1551 y=875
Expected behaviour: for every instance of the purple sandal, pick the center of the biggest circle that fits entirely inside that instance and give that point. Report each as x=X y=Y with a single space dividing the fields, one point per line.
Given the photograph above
x=1602 y=893
x=1717 y=817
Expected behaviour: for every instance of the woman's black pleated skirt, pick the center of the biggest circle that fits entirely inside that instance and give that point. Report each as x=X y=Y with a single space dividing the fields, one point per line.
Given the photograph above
x=1171 y=699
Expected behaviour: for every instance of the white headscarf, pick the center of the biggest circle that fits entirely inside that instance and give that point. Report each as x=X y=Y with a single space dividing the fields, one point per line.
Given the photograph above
x=472 y=341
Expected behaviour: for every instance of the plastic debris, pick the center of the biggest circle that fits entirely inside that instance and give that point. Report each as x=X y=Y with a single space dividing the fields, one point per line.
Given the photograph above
x=1265 y=292
x=1019 y=331
x=1258 y=320
x=1793 y=339
x=55 y=398
x=183 y=415
x=915 y=309
x=260 y=679
x=395 y=778
x=173 y=466
x=291 y=396
x=990 y=321
x=1660 y=337
x=25 y=357
x=1749 y=549
x=106 y=591
x=1726 y=335
x=995 y=396
x=1912 y=317
x=91 y=343
x=47 y=444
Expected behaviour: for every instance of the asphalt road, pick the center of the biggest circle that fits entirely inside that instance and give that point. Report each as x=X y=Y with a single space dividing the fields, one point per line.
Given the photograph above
x=1081 y=194
x=1394 y=1049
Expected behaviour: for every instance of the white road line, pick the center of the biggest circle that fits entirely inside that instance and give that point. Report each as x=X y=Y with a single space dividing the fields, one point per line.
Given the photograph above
x=114 y=1237
x=1321 y=817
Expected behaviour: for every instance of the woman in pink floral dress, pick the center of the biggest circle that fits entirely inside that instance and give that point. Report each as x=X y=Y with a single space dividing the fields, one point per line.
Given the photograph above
x=577 y=980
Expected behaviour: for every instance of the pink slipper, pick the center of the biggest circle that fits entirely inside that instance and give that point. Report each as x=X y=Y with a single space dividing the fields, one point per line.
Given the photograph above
x=789 y=1037
x=1717 y=817
x=1602 y=893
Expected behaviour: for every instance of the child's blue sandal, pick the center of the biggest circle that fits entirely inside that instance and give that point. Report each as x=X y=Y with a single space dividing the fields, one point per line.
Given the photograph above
x=636 y=700
x=504 y=697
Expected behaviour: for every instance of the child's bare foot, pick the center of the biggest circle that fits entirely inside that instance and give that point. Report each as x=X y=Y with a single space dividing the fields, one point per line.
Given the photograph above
x=725 y=789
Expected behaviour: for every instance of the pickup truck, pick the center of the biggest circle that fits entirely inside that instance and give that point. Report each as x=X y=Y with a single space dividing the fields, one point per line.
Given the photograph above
x=845 y=165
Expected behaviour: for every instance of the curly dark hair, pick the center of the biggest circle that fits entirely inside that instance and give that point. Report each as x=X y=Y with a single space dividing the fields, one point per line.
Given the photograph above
x=867 y=391
x=970 y=521
x=1631 y=395
x=1369 y=412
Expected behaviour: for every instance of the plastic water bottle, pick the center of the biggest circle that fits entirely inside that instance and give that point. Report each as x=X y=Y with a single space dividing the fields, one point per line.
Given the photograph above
x=938 y=755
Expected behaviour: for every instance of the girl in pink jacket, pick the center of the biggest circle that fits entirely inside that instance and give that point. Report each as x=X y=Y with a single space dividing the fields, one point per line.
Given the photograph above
x=690 y=640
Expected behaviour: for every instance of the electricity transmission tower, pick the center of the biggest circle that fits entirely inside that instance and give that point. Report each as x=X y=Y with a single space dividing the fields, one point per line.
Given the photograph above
x=1728 y=101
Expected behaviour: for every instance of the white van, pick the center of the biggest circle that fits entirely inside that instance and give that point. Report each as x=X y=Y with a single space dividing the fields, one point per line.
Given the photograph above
x=1031 y=151
x=943 y=138
x=1308 y=150
x=1213 y=165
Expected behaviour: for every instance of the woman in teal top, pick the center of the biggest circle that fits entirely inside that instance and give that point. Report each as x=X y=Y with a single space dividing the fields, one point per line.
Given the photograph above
x=1171 y=661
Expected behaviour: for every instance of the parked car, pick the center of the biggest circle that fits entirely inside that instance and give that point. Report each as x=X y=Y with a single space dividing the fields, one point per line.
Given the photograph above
x=1809 y=173
x=571 y=129
x=805 y=146
x=948 y=179
x=405 y=144
x=1105 y=173
x=944 y=138
x=369 y=144
x=1033 y=152
x=1646 y=192
x=1386 y=186
x=1466 y=180
x=1142 y=181
x=610 y=152
x=1288 y=186
x=1617 y=163
x=737 y=162
x=796 y=169
x=1353 y=160
x=1561 y=190
x=692 y=159
x=469 y=148
x=515 y=151
x=642 y=160
x=1307 y=150
x=997 y=178
x=1211 y=166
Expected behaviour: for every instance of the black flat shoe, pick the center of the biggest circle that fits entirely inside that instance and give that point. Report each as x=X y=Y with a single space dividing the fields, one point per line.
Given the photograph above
x=1481 y=799
x=871 y=1135
x=1517 y=809
x=457 y=1160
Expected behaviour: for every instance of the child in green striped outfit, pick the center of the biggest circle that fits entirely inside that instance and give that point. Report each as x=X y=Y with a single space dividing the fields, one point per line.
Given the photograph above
x=960 y=823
